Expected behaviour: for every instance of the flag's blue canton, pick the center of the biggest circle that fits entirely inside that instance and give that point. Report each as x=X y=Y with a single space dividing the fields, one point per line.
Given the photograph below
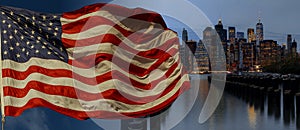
x=26 y=34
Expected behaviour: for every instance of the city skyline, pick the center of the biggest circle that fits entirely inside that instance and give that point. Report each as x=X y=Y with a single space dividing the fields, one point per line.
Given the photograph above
x=250 y=53
x=194 y=37
x=279 y=18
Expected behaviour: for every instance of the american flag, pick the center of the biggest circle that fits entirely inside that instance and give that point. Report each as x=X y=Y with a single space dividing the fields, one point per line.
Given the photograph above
x=101 y=61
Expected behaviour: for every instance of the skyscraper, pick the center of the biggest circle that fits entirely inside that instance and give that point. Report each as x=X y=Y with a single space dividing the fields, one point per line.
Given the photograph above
x=289 y=43
x=221 y=31
x=184 y=50
x=241 y=43
x=223 y=36
x=259 y=39
x=184 y=35
x=283 y=52
x=240 y=35
x=294 y=48
x=251 y=35
x=190 y=51
x=259 y=31
x=268 y=52
x=212 y=42
x=202 y=60
x=231 y=31
x=248 y=55
x=232 y=49
x=192 y=45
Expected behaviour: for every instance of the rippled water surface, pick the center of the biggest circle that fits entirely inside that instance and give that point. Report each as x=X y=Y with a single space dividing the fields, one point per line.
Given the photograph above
x=235 y=113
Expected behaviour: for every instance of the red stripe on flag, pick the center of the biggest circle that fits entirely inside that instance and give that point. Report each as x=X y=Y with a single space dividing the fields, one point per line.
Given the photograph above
x=81 y=115
x=71 y=92
x=117 y=42
x=153 y=53
x=90 y=22
x=107 y=38
x=92 y=60
x=60 y=73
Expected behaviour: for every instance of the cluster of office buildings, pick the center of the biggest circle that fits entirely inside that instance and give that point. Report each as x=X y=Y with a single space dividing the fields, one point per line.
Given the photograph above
x=235 y=51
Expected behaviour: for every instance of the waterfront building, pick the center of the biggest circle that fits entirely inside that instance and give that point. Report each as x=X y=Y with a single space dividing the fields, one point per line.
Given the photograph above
x=294 y=49
x=259 y=39
x=232 y=64
x=202 y=59
x=241 y=42
x=212 y=43
x=289 y=43
x=259 y=31
x=248 y=56
x=221 y=31
x=184 y=51
x=192 y=45
x=231 y=32
x=279 y=52
x=233 y=49
x=240 y=35
x=184 y=35
x=269 y=52
x=283 y=51
x=251 y=35
x=190 y=49
x=223 y=37
x=187 y=56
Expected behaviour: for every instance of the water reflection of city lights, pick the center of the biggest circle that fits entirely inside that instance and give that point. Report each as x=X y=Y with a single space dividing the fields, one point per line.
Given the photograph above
x=252 y=117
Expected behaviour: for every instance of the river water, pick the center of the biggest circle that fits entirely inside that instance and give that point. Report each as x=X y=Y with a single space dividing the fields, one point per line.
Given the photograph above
x=234 y=113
